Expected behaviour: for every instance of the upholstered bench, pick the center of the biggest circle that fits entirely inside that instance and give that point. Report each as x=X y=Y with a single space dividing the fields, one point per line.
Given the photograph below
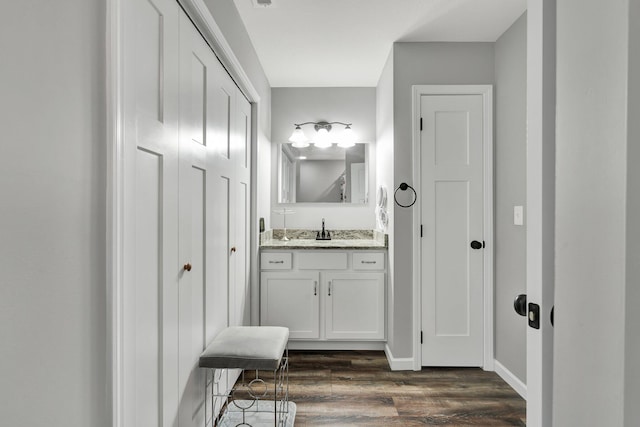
x=256 y=348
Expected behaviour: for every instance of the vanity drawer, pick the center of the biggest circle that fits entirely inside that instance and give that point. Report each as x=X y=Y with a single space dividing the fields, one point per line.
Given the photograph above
x=322 y=260
x=368 y=261
x=275 y=261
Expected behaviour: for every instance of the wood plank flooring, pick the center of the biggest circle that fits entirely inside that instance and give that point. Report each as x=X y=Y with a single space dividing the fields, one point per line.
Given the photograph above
x=357 y=388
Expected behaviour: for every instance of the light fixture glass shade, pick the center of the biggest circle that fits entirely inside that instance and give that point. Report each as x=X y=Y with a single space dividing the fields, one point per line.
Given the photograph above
x=298 y=137
x=322 y=138
x=347 y=138
x=300 y=144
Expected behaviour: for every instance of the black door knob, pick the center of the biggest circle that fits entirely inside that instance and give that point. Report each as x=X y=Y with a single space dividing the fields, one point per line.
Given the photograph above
x=520 y=304
x=476 y=245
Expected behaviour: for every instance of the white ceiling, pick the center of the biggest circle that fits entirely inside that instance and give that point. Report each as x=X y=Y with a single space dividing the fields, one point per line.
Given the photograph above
x=319 y=43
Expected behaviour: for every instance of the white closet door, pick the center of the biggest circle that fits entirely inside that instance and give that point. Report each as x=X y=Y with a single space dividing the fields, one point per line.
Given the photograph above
x=149 y=353
x=220 y=107
x=197 y=301
x=241 y=205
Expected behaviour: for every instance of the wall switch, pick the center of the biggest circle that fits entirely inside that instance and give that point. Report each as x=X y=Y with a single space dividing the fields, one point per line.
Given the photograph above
x=518 y=215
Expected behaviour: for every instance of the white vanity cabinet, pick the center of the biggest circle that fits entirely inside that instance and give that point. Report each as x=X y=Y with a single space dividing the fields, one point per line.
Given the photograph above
x=354 y=306
x=324 y=295
x=291 y=299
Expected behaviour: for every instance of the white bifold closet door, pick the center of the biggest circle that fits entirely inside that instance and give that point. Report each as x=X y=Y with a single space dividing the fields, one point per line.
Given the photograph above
x=214 y=212
x=186 y=211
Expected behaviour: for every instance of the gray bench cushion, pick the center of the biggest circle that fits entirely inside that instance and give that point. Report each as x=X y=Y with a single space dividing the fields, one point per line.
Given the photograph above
x=246 y=347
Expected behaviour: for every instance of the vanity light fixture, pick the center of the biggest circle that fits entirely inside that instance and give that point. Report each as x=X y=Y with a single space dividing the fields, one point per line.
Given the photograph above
x=322 y=139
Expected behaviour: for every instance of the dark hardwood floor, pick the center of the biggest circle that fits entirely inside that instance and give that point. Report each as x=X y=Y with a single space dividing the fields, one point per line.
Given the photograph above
x=357 y=388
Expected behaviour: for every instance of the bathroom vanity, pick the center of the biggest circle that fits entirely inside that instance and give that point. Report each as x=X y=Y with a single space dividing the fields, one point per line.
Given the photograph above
x=331 y=294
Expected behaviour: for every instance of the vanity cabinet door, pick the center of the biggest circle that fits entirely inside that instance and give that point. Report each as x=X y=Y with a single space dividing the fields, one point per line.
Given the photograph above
x=354 y=306
x=291 y=299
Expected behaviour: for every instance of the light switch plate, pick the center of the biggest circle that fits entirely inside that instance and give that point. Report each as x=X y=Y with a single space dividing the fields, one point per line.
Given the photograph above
x=518 y=215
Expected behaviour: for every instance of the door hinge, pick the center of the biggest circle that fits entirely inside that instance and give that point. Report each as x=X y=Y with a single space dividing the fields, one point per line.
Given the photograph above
x=483 y=243
x=420 y=123
x=421 y=230
x=420 y=337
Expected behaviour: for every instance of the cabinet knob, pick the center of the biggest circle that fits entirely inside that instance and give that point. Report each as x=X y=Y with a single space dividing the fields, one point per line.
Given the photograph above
x=187 y=267
x=233 y=249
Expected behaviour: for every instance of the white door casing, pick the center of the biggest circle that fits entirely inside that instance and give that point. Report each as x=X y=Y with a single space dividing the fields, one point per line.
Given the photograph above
x=541 y=53
x=453 y=294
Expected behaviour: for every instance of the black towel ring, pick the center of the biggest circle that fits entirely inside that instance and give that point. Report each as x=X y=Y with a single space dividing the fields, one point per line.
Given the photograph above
x=404 y=187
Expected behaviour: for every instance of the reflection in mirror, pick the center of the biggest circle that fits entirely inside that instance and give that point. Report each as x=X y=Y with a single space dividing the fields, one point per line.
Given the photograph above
x=323 y=175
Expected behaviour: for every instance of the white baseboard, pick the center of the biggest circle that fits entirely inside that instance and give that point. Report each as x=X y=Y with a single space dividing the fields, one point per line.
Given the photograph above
x=335 y=345
x=511 y=379
x=397 y=363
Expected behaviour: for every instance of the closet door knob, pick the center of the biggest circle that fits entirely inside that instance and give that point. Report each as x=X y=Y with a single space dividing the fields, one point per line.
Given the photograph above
x=187 y=267
x=477 y=245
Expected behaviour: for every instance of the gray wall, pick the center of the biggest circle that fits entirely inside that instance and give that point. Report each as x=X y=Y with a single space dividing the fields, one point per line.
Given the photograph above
x=591 y=174
x=632 y=339
x=422 y=63
x=384 y=171
x=349 y=105
x=53 y=365
x=510 y=190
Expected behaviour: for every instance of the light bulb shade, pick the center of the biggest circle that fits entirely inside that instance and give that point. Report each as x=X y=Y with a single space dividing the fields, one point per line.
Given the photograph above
x=298 y=137
x=347 y=138
x=346 y=144
x=302 y=144
x=322 y=138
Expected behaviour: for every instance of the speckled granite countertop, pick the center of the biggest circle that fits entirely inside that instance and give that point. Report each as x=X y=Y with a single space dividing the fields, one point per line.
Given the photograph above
x=341 y=239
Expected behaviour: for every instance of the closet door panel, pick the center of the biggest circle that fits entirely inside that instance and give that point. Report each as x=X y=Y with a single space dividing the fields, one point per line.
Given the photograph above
x=220 y=110
x=203 y=236
x=149 y=351
x=147 y=296
x=241 y=203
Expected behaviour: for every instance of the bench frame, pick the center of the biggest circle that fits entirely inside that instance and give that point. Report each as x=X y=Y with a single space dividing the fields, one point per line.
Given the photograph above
x=228 y=402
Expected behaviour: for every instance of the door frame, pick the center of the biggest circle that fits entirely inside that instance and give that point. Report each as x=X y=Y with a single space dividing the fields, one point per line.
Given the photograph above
x=486 y=91
x=201 y=17
x=540 y=205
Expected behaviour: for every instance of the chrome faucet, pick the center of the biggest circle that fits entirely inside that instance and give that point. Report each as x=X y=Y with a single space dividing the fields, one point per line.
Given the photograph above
x=324 y=235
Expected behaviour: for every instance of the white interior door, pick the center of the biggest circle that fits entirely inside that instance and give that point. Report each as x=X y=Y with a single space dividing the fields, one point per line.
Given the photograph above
x=451 y=147
x=149 y=350
x=197 y=290
x=358 y=178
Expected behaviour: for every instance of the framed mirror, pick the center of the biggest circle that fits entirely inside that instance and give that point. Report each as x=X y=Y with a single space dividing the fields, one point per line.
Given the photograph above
x=323 y=175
